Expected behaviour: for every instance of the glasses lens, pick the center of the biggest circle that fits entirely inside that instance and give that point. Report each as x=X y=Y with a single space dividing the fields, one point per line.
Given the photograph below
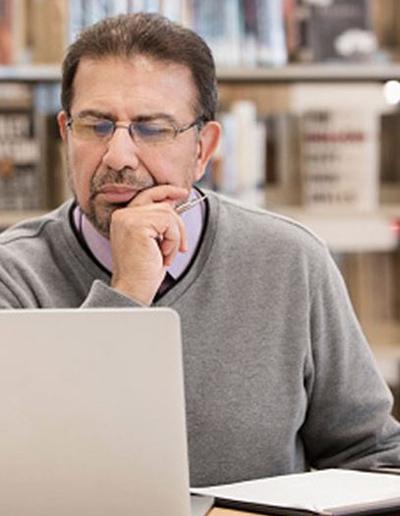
x=153 y=132
x=103 y=128
x=93 y=130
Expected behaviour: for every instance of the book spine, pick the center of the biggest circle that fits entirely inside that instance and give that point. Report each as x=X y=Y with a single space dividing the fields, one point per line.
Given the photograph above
x=219 y=24
x=6 y=36
x=49 y=30
x=271 y=43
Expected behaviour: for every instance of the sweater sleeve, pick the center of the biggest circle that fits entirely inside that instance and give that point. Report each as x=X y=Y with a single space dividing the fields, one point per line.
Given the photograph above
x=103 y=296
x=349 y=422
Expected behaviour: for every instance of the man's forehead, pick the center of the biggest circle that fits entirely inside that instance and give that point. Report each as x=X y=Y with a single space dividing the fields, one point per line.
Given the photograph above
x=136 y=64
x=136 y=76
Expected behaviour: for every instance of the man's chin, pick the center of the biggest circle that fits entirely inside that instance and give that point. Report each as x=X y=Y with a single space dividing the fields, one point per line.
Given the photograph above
x=100 y=213
x=101 y=219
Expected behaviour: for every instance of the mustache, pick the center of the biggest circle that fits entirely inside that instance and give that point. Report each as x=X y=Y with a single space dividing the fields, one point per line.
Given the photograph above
x=125 y=176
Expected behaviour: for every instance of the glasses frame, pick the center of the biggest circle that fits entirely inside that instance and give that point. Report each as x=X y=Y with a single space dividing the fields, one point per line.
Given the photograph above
x=198 y=122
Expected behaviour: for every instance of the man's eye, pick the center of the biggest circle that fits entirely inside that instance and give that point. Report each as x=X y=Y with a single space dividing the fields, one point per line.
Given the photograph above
x=103 y=128
x=153 y=130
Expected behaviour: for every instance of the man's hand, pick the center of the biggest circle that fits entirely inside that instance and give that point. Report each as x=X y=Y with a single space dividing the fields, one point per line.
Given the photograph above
x=145 y=238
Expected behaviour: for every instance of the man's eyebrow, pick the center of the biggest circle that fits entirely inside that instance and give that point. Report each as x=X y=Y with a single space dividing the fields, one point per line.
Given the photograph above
x=95 y=114
x=139 y=118
x=155 y=116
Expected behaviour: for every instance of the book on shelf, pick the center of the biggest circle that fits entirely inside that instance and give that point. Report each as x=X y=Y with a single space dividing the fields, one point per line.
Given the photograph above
x=238 y=167
x=282 y=163
x=335 y=29
x=240 y=32
x=219 y=24
x=321 y=149
x=13 y=32
x=339 y=143
x=55 y=164
x=261 y=33
x=48 y=29
x=390 y=150
x=21 y=182
x=338 y=160
x=386 y=24
x=247 y=32
x=6 y=34
x=86 y=12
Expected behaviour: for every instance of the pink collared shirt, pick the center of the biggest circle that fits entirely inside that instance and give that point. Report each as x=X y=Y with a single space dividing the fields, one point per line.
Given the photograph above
x=101 y=248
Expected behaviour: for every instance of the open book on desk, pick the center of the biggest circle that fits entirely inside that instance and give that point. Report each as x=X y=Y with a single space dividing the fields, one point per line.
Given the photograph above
x=331 y=492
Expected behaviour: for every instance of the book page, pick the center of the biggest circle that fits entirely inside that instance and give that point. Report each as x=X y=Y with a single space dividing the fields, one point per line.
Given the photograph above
x=316 y=491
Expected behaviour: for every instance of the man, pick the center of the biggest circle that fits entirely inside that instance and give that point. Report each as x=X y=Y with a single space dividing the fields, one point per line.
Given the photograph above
x=278 y=375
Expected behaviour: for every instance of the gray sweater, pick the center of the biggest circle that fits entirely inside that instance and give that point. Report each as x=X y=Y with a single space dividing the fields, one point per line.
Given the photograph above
x=278 y=375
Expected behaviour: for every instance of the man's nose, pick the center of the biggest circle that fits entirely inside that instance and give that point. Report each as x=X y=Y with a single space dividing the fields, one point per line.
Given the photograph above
x=122 y=151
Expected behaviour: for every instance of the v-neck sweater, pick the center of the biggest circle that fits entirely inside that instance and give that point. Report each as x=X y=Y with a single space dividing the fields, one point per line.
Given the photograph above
x=278 y=375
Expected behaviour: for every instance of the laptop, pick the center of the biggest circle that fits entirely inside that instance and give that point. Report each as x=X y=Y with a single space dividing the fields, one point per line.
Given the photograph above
x=92 y=414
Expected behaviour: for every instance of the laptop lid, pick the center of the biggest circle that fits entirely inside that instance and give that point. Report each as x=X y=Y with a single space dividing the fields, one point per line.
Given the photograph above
x=92 y=418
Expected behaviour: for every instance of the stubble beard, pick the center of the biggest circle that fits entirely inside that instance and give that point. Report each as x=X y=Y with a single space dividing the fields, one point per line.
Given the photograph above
x=100 y=214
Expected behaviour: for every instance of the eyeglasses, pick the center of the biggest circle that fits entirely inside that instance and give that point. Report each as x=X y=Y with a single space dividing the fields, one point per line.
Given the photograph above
x=149 y=132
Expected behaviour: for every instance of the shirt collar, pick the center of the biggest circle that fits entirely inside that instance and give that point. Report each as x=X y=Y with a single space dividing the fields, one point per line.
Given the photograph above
x=101 y=248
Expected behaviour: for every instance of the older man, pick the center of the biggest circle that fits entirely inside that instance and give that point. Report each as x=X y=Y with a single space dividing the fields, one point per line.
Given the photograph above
x=279 y=377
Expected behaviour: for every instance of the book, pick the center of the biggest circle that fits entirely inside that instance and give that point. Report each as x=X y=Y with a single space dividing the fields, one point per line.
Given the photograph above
x=54 y=163
x=331 y=492
x=240 y=158
x=19 y=158
x=262 y=33
x=219 y=24
x=339 y=144
x=48 y=25
x=6 y=37
x=339 y=160
x=336 y=30
x=282 y=158
x=271 y=41
x=390 y=151
x=21 y=183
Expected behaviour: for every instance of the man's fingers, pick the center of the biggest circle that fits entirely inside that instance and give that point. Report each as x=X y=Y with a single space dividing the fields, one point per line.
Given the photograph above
x=171 y=237
x=160 y=193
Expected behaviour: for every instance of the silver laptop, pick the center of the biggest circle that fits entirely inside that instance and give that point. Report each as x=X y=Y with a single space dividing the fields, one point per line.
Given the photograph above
x=92 y=417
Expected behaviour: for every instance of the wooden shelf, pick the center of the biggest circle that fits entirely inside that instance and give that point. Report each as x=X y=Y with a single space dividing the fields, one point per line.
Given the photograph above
x=348 y=232
x=331 y=72
x=30 y=73
x=342 y=231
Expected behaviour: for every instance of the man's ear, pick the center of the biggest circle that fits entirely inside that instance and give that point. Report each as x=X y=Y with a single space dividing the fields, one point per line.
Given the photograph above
x=62 y=124
x=208 y=141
